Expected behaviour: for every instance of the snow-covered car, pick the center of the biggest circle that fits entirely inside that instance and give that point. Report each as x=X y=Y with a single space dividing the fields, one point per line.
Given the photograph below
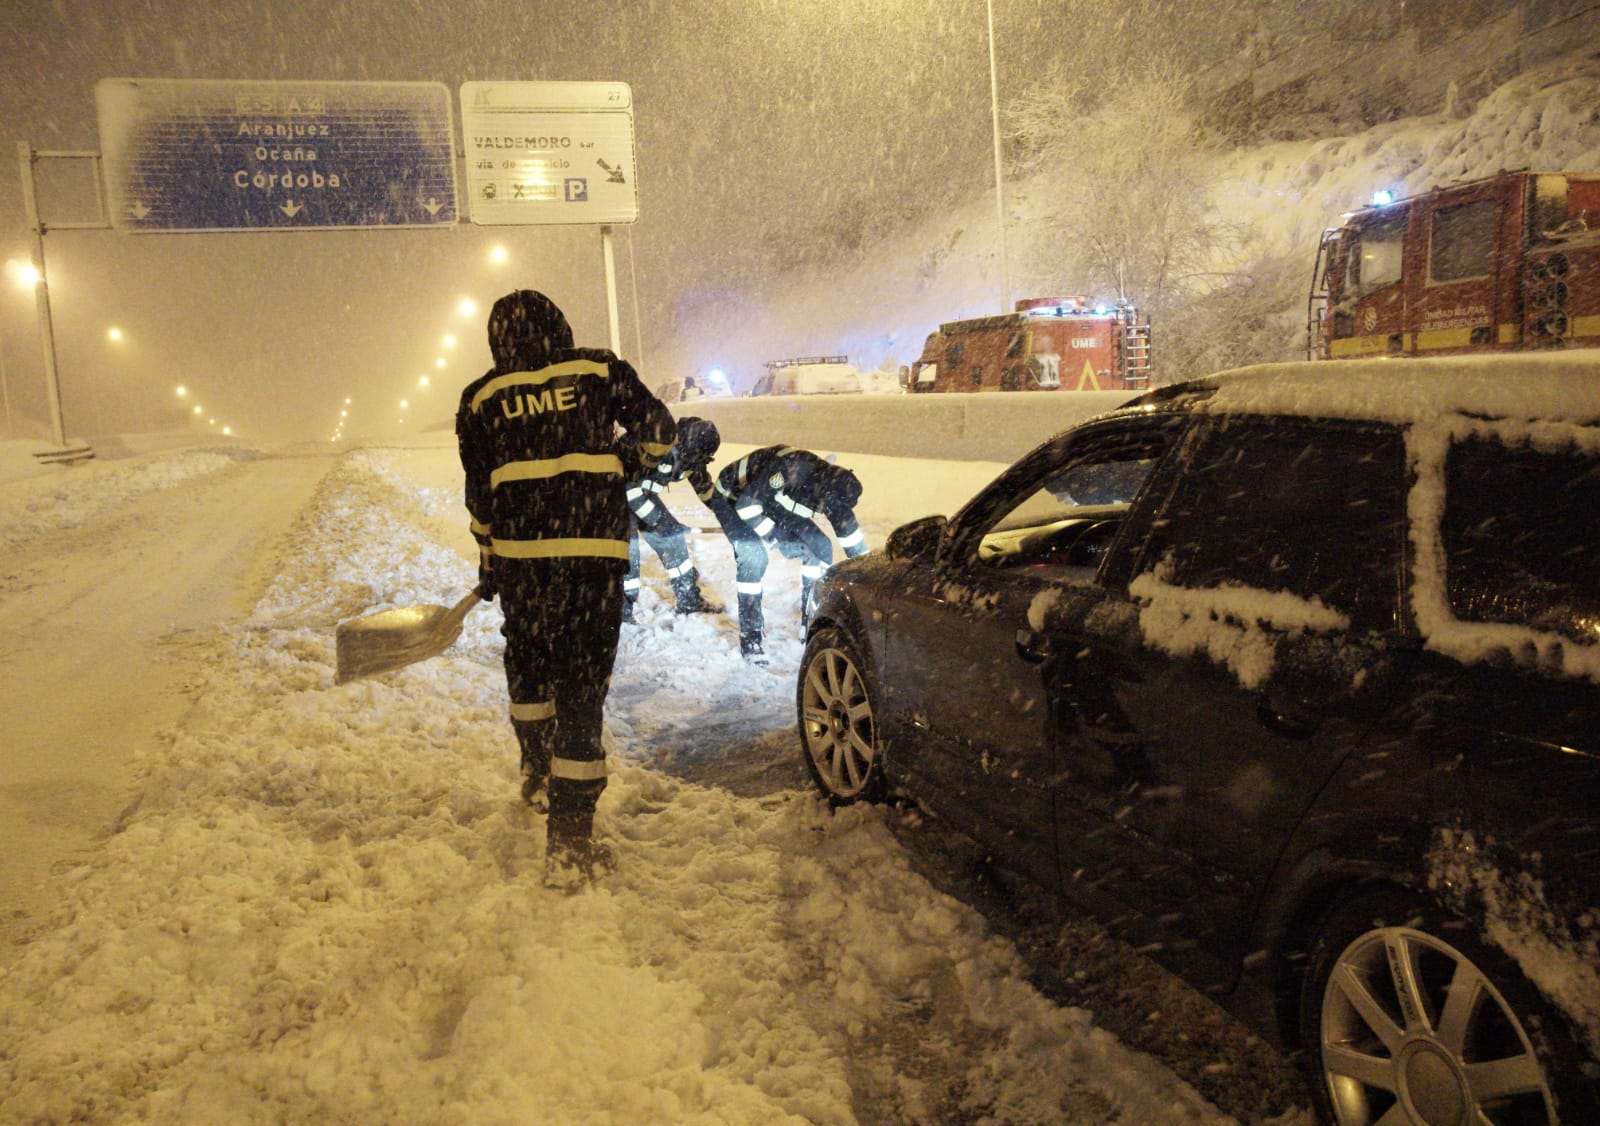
x=1292 y=676
x=810 y=375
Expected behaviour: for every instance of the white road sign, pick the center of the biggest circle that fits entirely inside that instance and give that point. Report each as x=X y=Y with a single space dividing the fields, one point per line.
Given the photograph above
x=549 y=152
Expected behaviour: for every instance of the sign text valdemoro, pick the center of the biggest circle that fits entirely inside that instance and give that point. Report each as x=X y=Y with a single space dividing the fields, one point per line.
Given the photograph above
x=549 y=152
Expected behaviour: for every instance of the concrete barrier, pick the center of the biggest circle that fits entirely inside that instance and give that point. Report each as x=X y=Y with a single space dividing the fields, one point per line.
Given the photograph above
x=996 y=426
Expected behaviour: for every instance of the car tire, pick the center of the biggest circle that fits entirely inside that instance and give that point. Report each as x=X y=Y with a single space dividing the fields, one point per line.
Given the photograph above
x=839 y=720
x=1383 y=1044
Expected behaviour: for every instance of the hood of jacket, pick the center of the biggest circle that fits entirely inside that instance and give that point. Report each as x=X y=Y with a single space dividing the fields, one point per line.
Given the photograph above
x=526 y=329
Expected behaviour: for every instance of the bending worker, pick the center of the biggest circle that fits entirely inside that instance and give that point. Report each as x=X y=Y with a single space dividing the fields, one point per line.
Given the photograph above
x=544 y=486
x=665 y=534
x=772 y=495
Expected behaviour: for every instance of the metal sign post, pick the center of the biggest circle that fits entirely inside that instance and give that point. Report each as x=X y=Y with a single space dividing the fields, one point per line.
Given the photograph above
x=41 y=289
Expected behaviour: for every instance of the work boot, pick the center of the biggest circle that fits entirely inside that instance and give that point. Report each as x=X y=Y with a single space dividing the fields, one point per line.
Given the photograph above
x=750 y=647
x=627 y=611
x=533 y=737
x=573 y=858
x=572 y=867
x=535 y=789
x=689 y=598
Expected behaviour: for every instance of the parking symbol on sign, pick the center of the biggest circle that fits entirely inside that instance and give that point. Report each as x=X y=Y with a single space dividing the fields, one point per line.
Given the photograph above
x=577 y=190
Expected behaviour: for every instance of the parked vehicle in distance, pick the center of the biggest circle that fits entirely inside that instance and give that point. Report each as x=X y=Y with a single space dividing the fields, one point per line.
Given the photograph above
x=809 y=375
x=1047 y=344
x=1500 y=264
x=1291 y=675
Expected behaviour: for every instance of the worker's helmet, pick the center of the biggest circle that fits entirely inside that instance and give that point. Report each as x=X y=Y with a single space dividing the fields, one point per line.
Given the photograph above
x=698 y=441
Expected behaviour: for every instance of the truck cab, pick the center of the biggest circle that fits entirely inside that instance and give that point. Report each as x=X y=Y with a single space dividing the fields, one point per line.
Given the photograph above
x=1499 y=264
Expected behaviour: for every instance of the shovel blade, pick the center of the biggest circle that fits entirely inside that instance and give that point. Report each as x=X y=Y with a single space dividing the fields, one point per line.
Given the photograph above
x=392 y=639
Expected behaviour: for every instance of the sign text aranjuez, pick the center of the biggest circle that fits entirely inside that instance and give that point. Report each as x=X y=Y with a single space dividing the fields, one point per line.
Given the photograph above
x=202 y=155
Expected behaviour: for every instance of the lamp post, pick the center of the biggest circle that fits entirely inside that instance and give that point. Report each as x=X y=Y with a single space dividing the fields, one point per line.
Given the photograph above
x=999 y=172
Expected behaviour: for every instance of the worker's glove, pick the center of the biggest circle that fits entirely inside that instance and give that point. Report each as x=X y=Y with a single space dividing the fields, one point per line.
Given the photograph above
x=486 y=584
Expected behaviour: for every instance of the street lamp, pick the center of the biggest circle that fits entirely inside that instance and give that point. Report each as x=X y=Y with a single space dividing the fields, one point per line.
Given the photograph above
x=999 y=174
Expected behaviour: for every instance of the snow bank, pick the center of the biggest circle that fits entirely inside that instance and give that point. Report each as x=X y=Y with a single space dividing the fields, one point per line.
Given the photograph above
x=327 y=905
x=40 y=498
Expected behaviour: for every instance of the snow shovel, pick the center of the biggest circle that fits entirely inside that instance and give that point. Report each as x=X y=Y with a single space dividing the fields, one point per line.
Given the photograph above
x=392 y=639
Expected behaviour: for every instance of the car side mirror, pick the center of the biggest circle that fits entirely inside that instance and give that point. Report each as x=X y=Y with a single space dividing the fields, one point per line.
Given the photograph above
x=916 y=541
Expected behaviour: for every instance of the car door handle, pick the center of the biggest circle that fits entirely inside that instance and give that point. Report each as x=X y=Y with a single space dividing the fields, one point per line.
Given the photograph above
x=1291 y=723
x=1033 y=646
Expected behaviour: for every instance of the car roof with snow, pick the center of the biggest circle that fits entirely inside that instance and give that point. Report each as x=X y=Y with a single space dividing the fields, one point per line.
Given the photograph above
x=1548 y=386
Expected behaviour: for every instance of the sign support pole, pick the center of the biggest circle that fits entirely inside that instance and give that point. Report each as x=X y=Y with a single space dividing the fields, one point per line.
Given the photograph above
x=47 y=338
x=609 y=255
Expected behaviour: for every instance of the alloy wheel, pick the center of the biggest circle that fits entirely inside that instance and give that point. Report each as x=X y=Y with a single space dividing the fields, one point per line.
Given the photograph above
x=1413 y=1031
x=838 y=725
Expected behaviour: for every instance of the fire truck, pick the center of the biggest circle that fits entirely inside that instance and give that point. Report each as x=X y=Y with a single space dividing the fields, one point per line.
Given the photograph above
x=1047 y=344
x=1505 y=263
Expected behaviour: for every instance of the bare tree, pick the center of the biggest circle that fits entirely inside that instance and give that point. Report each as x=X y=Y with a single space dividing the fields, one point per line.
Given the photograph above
x=1122 y=206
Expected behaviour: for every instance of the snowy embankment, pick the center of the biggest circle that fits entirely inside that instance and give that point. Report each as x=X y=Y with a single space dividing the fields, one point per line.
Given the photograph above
x=41 y=498
x=327 y=905
x=1277 y=198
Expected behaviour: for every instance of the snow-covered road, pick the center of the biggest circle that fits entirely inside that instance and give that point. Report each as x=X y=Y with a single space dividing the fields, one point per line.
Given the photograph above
x=325 y=905
x=95 y=608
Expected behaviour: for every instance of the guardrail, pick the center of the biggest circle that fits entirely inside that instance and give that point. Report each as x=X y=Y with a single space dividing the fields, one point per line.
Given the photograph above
x=956 y=427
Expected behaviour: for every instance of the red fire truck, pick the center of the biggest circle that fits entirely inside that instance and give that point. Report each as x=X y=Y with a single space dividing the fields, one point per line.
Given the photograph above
x=1048 y=344
x=1510 y=262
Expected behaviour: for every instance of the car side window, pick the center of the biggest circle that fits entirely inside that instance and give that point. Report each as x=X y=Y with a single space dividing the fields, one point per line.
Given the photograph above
x=1070 y=516
x=1314 y=509
x=1518 y=535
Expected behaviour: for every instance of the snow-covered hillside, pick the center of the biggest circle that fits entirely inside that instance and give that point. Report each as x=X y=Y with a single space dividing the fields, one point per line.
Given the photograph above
x=1280 y=197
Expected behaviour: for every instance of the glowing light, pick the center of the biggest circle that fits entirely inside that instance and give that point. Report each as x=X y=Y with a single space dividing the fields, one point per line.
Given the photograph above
x=423 y=382
x=25 y=274
x=498 y=254
x=405 y=405
x=182 y=391
x=467 y=307
x=227 y=430
x=449 y=340
x=1382 y=197
x=439 y=363
x=198 y=409
x=114 y=334
x=717 y=375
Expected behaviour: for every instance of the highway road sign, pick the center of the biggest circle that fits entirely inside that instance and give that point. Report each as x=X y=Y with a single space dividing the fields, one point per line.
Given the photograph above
x=187 y=155
x=549 y=152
